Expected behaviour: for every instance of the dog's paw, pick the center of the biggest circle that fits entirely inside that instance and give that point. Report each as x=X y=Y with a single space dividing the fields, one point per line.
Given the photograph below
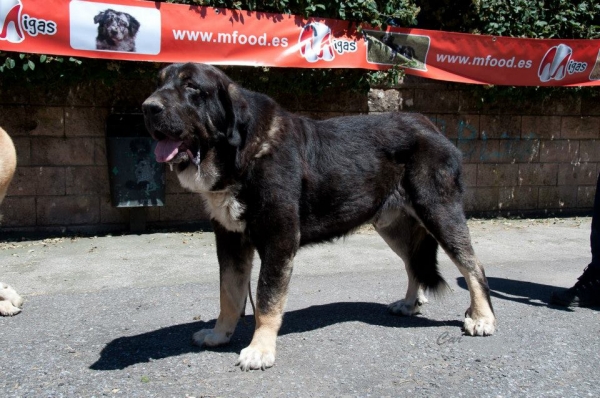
x=210 y=338
x=7 y=309
x=479 y=326
x=17 y=301
x=406 y=307
x=10 y=301
x=421 y=298
x=253 y=357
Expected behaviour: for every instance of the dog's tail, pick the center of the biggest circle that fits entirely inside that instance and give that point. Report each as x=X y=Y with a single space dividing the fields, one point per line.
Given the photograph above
x=424 y=266
x=417 y=248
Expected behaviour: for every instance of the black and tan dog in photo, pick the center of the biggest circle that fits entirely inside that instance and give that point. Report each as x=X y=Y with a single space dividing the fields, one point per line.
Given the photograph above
x=116 y=31
x=10 y=301
x=405 y=51
x=273 y=182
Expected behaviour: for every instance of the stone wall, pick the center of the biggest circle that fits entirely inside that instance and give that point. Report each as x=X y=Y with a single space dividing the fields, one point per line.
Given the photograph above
x=539 y=159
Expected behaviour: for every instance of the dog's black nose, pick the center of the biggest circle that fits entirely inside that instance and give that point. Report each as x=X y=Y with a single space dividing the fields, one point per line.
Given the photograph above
x=152 y=107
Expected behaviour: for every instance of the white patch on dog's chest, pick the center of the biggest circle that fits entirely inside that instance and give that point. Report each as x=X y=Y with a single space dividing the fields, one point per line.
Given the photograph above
x=225 y=208
x=199 y=179
x=222 y=206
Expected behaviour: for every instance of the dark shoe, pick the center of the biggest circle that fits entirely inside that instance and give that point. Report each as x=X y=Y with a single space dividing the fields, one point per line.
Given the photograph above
x=585 y=293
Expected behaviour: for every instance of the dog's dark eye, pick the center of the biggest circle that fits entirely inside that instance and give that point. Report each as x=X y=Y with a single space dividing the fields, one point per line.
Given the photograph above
x=192 y=88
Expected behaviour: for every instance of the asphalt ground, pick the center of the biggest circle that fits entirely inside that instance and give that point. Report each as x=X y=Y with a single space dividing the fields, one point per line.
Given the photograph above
x=114 y=315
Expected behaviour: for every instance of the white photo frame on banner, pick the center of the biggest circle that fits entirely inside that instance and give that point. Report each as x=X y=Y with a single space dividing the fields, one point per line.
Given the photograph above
x=85 y=17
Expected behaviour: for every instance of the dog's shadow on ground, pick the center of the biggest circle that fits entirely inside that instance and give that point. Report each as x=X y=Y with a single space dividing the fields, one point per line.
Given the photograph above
x=530 y=293
x=176 y=340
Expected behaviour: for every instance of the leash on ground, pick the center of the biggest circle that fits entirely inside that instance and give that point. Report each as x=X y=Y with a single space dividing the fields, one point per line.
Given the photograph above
x=251 y=299
x=251 y=303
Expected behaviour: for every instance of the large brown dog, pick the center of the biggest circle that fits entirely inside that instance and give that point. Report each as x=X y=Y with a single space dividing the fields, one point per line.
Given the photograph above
x=273 y=181
x=10 y=301
x=8 y=163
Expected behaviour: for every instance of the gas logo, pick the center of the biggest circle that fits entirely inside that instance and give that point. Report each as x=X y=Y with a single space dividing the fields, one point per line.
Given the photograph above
x=557 y=63
x=316 y=42
x=14 y=24
x=10 y=21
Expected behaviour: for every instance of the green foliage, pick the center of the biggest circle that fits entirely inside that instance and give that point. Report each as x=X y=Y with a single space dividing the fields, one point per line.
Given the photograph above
x=564 y=19
x=298 y=81
x=14 y=62
x=373 y=12
x=48 y=71
x=448 y=15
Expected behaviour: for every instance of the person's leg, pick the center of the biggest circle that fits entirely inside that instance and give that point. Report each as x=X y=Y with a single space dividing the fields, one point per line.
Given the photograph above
x=595 y=234
x=586 y=292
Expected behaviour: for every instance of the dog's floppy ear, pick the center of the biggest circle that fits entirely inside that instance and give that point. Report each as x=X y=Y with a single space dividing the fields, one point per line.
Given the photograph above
x=237 y=113
x=134 y=26
x=100 y=17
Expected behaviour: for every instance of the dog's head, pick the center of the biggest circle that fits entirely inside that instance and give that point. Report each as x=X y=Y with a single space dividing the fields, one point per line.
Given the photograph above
x=387 y=39
x=196 y=108
x=407 y=51
x=116 y=25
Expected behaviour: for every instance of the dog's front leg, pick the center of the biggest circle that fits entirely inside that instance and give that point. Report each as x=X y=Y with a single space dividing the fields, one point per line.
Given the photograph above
x=235 y=255
x=271 y=296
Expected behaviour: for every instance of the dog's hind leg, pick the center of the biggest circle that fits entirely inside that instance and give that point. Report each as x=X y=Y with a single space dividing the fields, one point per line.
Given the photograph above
x=235 y=255
x=437 y=202
x=418 y=250
x=452 y=233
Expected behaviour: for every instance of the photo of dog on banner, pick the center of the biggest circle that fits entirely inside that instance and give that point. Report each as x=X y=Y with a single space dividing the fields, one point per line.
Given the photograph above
x=391 y=48
x=116 y=31
x=114 y=28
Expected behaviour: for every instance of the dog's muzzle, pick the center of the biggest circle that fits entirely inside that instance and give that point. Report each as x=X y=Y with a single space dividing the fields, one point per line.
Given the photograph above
x=168 y=150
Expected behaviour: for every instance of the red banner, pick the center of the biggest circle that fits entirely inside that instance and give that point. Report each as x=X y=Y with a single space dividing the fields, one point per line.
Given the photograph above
x=148 y=31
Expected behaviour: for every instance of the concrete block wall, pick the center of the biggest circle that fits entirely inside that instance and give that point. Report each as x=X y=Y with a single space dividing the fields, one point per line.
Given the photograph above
x=533 y=160
x=540 y=159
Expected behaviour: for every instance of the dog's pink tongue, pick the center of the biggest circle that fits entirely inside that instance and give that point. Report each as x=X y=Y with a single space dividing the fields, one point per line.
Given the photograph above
x=166 y=149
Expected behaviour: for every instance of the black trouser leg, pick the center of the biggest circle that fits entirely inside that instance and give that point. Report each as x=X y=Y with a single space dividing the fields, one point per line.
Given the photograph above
x=595 y=235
